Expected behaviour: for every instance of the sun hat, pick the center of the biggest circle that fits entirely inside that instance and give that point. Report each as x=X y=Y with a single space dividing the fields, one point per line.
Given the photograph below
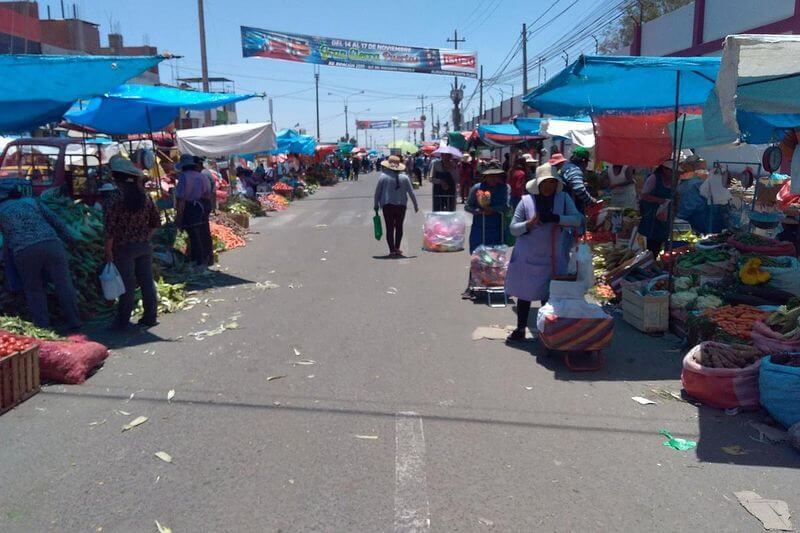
x=543 y=173
x=123 y=165
x=466 y=158
x=557 y=159
x=529 y=159
x=669 y=164
x=393 y=162
x=491 y=168
x=186 y=160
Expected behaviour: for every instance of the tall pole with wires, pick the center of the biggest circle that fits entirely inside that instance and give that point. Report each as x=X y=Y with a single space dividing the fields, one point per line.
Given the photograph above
x=456 y=94
x=422 y=117
x=316 y=90
x=480 y=100
x=524 y=58
x=203 y=58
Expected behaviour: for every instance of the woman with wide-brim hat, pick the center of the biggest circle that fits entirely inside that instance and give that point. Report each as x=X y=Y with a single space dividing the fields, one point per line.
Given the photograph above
x=539 y=225
x=391 y=195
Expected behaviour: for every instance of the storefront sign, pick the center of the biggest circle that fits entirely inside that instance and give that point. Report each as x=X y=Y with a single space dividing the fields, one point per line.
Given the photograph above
x=356 y=54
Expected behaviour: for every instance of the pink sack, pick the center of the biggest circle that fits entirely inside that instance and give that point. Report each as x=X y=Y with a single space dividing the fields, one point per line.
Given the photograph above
x=68 y=361
x=769 y=341
x=723 y=388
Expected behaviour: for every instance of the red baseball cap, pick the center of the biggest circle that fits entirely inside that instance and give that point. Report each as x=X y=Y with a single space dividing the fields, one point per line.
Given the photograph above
x=557 y=159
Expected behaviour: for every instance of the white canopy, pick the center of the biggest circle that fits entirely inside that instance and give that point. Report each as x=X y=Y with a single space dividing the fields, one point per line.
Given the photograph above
x=760 y=74
x=230 y=139
x=578 y=132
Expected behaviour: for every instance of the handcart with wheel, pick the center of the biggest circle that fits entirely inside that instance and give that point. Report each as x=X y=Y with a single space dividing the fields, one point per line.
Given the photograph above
x=582 y=337
x=491 y=285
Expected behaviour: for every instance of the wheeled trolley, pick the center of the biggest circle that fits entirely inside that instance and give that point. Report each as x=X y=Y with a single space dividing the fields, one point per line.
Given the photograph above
x=578 y=336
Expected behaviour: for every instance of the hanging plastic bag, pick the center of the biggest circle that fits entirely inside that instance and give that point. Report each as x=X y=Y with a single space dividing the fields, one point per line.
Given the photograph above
x=111 y=281
x=376 y=226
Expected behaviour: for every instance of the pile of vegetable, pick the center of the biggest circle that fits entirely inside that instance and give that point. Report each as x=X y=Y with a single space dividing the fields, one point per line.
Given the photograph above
x=686 y=236
x=751 y=274
x=737 y=321
x=171 y=298
x=605 y=257
x=225 y=219
x=18 y=326
x=274 y=202
x=748 y=242
x=10 y=344
x=85 y=252
x=243 y=206
x=786 y=320
x=700 y=257
x=719 y=355
x=227 y=236
x=602 y=293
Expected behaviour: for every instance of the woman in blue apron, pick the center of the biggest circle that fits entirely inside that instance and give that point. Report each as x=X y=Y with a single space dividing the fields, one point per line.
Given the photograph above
x=487 y=222
x=539 y=225
x=656 y=192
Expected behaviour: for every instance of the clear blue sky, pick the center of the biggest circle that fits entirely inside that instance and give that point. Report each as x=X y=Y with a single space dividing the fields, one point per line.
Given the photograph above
x=491 y=28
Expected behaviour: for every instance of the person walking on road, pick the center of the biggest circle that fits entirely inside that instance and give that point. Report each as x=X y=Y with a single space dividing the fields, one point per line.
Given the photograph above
x=356 y=168
x=444 y=183
x=539 y=254
x=391 y=195
x=34 y=236
x=130 y=222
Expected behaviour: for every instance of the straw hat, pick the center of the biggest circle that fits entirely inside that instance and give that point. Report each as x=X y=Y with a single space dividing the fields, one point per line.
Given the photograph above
x=543 y=173
x=123 y=165
x=393 y=162
x=529 y=159
x=466 y=158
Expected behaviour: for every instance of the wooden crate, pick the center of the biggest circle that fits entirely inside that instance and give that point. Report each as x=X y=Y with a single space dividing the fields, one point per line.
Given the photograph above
x=19 y=377
x=242 y=219
x=646 y=313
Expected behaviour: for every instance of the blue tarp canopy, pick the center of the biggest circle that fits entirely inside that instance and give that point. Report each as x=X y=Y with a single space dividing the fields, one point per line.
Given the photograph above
x=528 y=126
x=754 y=128
x=37 y=89
x=143 y=108
x=606 y=84
x=291 y=142
x=498 y=135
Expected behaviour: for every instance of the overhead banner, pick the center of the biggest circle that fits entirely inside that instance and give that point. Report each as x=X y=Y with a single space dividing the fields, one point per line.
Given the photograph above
x=373 y=124
x=385 y=124
x=357 y=54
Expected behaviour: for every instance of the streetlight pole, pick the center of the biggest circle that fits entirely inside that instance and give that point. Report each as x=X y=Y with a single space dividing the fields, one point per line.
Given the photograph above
x=512 y=97
x=346 y=123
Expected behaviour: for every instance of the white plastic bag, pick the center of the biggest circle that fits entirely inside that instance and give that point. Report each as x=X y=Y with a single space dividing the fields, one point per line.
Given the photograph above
x=111 y=281
x=568 y=308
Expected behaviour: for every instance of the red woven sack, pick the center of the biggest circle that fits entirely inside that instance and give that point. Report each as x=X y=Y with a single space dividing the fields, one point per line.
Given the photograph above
x=723 y=388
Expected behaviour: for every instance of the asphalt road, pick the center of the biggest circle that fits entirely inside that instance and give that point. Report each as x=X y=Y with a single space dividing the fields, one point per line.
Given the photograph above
x=403 y=420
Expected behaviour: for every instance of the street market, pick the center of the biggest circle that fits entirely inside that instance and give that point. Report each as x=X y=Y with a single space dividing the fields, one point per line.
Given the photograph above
x=636 y=219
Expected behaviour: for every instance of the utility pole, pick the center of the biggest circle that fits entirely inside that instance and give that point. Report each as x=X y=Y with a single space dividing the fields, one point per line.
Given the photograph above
x=203 y=58
x=456 y=95
x=272 y=120
x=316 y=89
x=346 y=130
x=433 y=135
x=480 y=104
x=524 y=58
x=422 y=117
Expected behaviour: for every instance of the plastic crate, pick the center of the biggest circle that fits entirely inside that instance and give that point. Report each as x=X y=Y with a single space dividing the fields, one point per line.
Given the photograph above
x=19 y=377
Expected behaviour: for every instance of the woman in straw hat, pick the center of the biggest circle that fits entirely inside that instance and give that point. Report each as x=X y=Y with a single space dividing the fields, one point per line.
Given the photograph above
x=392 y=194
x=539 y=225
